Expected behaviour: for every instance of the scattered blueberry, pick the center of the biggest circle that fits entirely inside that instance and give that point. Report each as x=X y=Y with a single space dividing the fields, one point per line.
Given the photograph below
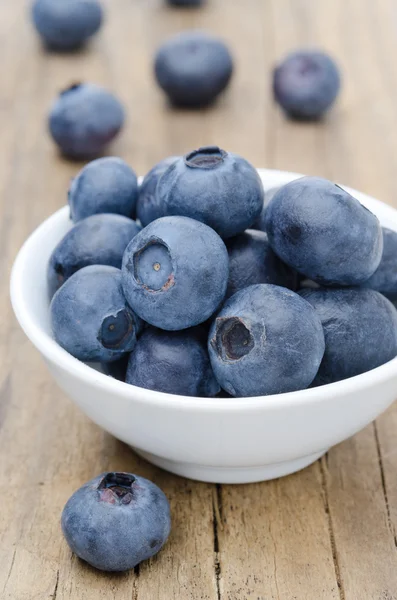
x=90 y=317
x=193 y=68
x=306 y=84
x=148 y=208
x=66 y=25
x=175 y=362
x=215 y=187
x=175 y=273
x=360 y=328
x=186 y=3
x=105 y=185
x=97 y=240
x=384 y=279
x=84 y=119
x=320 y=230
x=116 y=521
x=252 y=260
x=260 y=222
x=265 y=340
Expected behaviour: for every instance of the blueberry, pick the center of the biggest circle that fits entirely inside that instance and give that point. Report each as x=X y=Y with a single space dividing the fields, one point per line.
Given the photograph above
x=66 y=25
x=175 y=362
x=260 y=222
x=265 y=340
x=384 y=279
x=148 y=208
x=193 y=68
x=320 y=230
x=105 y=185
x=252 y=260
x=306 y=84
x=215 y=187
x=175 y=273
x=186 y=3
x=84 y=119
x=97 y=240
x=90 y=317
x=116 y=521
x=360 y=328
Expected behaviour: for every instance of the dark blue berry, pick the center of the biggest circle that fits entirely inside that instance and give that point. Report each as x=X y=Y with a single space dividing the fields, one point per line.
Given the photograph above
x=215 y=187
x=306 y=84
x=97 y=240
x=175 y=273
x=105 y=185
x=116 y=521
x=90 y=317
x=265 y=340
x=193 y=68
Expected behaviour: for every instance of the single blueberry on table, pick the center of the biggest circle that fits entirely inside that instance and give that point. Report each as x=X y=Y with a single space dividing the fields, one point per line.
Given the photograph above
x=193 y=68
x=306 y=84
x=175 y=273
x=384 y=279
x=252 y=260
x=66 y=25
x=148 y=207
x=360 y=328
x=215 y=187
x=265 y=340
x=323 y=232
x=84 y=119
x=116 y=521
x=96 y=240
x=105 y=185
x=260 y=222
x=90 y=316
x=175 y=362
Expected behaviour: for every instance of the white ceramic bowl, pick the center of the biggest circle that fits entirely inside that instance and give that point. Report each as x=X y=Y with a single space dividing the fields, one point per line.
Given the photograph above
x=217 y=440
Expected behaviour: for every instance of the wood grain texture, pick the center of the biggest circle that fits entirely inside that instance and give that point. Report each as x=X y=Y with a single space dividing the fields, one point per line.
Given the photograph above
x=327 y=533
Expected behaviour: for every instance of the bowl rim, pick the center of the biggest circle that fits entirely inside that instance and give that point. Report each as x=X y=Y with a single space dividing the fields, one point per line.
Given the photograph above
x=80 y=370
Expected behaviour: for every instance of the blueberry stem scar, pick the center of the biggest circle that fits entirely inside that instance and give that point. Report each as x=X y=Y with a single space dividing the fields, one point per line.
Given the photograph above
x=119 y=485
x=233 y=339
x=208 y=157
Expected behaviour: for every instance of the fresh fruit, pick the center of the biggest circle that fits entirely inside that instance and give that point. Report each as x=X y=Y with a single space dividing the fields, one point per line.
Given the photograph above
x=84 y=119
x=306 y=84
x=215 y=187
x=360 y=328
x=320 y=230
x=148 y=207
x=186 y=3
x=252 y=260
x=175 y=273
x=66 y=25
x=265 y=340
x=116 y=521
x=193 y=68
x=105 y=185
x=90 y=317
x=384 y=279
x=96 y=240
x=175 y=362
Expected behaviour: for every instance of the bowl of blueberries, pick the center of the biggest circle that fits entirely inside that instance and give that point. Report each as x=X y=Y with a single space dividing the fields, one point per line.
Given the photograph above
x=230 y=324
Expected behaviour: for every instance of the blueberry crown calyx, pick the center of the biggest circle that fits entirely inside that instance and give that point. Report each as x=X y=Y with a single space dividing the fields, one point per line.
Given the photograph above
x=207 y=157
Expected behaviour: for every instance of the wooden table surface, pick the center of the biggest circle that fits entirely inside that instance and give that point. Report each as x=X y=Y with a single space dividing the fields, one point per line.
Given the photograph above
x=328 y=532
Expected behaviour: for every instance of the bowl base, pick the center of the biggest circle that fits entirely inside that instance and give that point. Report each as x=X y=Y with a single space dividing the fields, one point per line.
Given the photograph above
x=231 y=474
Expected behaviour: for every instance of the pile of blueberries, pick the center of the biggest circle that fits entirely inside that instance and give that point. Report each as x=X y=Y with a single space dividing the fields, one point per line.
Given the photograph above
x=218 y=287
x=192 y=68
